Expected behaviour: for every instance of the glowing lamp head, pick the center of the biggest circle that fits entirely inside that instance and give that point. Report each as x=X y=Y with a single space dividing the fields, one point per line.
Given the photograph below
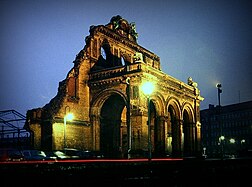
x=69 y=117
x=218 y=85
x=148 y=88
x=232 y=140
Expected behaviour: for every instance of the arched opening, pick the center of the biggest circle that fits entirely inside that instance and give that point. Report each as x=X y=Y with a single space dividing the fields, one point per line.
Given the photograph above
x=113 y=128
x=105 y=59
x=157 y=130
x=175 y=132
x=123 y=61
x=188 y=134
x=154 y=128
x=103 y=53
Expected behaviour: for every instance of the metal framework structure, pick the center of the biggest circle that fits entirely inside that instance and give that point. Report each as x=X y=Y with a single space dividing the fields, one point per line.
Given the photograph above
x=12 y=127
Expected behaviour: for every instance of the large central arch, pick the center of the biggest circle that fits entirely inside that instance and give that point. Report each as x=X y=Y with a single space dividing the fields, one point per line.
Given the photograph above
x=112 y=125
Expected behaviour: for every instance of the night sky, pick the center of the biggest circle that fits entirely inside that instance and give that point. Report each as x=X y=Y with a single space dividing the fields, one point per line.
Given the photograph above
x=210 y=41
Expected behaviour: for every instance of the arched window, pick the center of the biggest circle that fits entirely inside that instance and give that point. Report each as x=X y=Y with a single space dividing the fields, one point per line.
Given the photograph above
x=122 y=61
x=103 y=53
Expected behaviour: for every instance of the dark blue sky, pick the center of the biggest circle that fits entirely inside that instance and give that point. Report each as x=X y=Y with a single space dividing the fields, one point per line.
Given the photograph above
x=211 y=41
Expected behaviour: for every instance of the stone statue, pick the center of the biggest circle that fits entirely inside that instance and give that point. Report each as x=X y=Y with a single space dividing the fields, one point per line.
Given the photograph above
x=115 y=21
x=191 y=82
x=133 y=30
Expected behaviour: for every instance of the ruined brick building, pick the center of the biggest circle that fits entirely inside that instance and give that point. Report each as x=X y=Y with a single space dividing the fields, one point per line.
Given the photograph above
x=103 y=91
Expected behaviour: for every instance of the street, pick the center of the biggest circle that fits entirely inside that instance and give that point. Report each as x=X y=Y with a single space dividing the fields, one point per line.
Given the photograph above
x=135 y=172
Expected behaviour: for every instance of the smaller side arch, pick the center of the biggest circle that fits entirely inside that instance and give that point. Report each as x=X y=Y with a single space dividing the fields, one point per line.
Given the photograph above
x=174 y=128
x=159 y=125
x=188 y=130
x=188 y=108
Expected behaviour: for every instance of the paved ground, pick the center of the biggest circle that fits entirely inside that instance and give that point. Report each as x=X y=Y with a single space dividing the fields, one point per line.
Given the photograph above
x=174 y=173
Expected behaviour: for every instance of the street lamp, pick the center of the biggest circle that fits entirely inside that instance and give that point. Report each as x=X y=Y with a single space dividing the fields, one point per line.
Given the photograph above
x=218 y=85
x=148 y=88
x=128 y=116
x=242 y=143
x=221 y=140
x=67 y=117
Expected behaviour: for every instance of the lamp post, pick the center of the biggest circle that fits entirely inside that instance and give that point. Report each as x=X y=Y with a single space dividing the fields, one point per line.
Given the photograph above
x=218 y=86
x=233 y=148
x=67 y=117
x=221 y=140
x=242 y=144
x=128 y=116
x=148 y=88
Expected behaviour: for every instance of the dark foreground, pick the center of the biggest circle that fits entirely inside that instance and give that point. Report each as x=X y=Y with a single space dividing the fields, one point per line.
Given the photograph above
x=169 y=172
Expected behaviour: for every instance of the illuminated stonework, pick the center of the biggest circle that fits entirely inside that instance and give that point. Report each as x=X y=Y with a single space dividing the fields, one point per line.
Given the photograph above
x=103 y=92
